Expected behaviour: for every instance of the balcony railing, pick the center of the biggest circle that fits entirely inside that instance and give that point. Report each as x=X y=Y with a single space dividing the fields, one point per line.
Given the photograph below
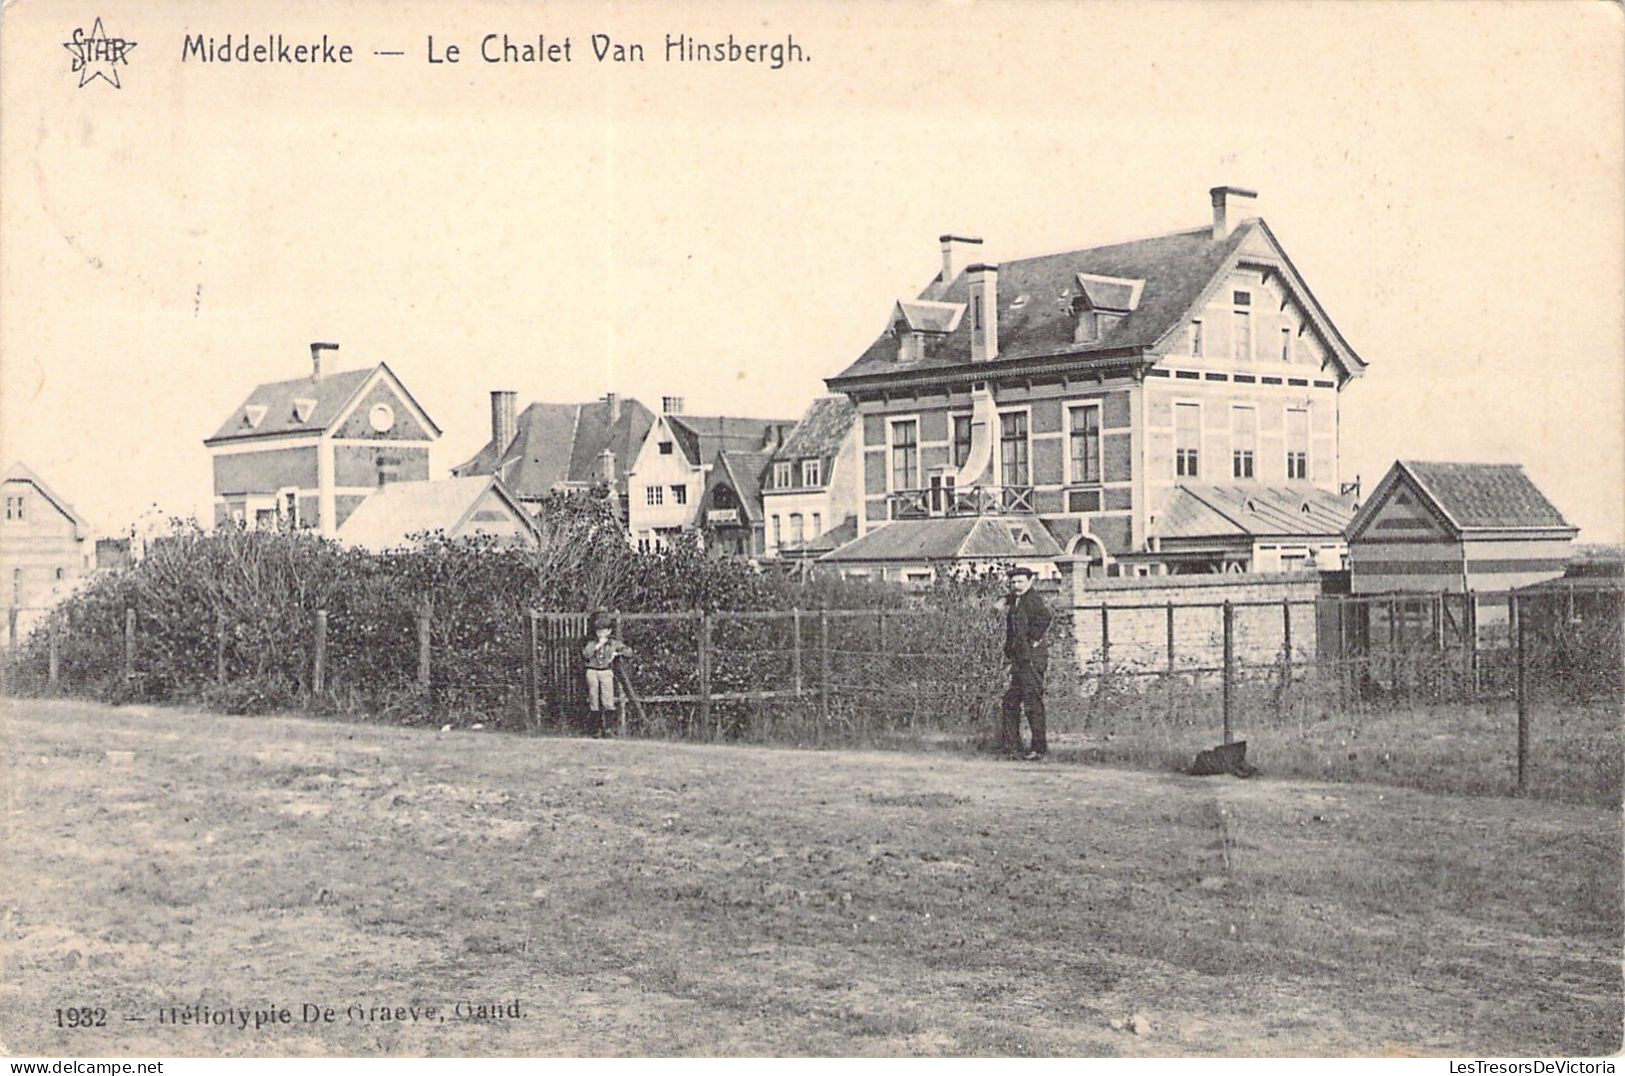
x=939 y=501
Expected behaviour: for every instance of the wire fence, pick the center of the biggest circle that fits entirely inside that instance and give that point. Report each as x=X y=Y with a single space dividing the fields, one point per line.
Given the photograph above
x=1481 y=693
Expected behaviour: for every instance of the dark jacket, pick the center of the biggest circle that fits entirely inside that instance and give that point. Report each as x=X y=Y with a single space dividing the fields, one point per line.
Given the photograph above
x=1026 y=619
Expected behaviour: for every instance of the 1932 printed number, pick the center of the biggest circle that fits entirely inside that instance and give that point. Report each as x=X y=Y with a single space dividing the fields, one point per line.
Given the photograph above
x=81 y=1016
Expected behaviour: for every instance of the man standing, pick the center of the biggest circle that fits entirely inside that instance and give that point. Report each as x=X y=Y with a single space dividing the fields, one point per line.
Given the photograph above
x=1026 y=619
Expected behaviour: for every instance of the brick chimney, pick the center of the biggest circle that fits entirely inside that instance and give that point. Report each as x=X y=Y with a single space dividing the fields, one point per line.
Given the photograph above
x=614 y=402
x=671 y=405
x=956 y=251
x=316 y=349
x=1231 y=206
x=983 y=312
x=502 y=421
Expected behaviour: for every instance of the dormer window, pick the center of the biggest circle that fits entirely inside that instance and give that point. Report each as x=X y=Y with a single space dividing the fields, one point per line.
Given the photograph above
x=781 y=475
x=303 y=408
x=810 y=472
x=253 y=415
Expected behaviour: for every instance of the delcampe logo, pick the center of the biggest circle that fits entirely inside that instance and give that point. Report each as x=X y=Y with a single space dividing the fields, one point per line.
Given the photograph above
x=95 y=55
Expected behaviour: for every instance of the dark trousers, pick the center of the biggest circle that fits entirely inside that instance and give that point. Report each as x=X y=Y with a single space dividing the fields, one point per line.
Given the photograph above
x=1026 y=690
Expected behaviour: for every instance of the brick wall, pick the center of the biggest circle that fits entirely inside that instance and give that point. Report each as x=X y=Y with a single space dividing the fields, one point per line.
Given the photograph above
x=1262 y=605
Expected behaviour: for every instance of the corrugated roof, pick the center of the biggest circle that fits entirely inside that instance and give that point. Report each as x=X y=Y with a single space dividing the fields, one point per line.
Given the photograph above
x=1206 y=510
x=558 y=443
x=821 y=430
x=328 y=396
x=389 y=516
x=1484 y=495
x=20 y=472
x=951 y=538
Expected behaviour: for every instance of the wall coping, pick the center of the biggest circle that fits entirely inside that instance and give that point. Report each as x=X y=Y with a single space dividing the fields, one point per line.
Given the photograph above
x=1188 y=582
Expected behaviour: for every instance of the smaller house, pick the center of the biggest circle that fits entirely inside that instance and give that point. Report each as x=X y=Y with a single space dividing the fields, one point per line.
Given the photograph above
x=731 y=506
x=456 y=507
x=816 y=480
x=1456 y=527
x=670 y=473
x=1209 y=528
x=44 y=544
x=912 y=550
x=551 y=446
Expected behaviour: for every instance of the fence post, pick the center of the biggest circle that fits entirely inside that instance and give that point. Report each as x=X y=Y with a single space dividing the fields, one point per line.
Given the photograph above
x=1286 y=645
x=533 y=687
x=1523 y=694
x=1470 y=616
x=54 y=675
x=424 y=625
x=1171 y=637
x=1229 y=666
x=1342 y=653
x=220 y=647
x=705 y=672
x=1105 y=646
x=318 y=671
x=795 y=649
x=823 y=667
x=129 y=641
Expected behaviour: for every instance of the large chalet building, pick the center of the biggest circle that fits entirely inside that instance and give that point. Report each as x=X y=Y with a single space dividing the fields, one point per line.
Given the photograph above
x=44 y=547
x=304 y=453
x=1162 y=405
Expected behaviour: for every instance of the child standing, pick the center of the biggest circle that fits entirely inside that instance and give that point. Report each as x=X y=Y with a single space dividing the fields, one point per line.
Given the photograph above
x=600 y=654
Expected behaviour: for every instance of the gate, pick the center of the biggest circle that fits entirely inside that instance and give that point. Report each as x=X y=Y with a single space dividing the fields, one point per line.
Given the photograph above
x=559 y=670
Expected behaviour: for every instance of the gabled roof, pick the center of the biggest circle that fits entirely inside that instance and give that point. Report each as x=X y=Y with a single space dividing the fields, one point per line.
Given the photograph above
x=561 y=443
x=832 y=539
x=742 y=471
x=950 y=538
x=703 y=436
x=391 y=515
x=1205 y=510
x=1173 y=273
x=305 y=405
x=821 y=431
x=1469 y=496
x=20 y=472
x=926 y=315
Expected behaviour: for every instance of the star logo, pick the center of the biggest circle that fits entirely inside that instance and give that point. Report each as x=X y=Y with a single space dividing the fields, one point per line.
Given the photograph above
x=95 y=55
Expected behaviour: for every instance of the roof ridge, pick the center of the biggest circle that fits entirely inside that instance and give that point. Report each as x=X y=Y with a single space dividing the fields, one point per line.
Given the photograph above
x=1107 y=246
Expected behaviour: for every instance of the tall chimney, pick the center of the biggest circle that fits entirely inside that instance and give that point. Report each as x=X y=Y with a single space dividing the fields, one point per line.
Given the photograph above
x=984 y=311
x=316 y=349
x=955 y=250
x=606 y=466
x=502 y=421
x=1231 y=206
x=671 y=405
x=614 y=402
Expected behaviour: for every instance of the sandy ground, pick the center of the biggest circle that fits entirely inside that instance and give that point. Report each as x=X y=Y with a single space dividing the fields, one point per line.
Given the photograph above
x=652 y=898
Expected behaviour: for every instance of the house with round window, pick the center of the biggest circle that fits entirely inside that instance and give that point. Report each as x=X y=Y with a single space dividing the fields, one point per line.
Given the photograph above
x=305 y=453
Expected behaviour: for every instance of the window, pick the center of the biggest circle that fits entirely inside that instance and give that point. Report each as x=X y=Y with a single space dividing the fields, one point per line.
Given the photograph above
x=778 y=531
x=796 y=534
x=961 y=439
x=1242 y=335
x=14 y=508
x=817 y=524
x=781 y=475
x=1196 y=338
x=976 y=312
x=1187 y=439
x=1085 y=444
x=940 y=498
x=905 y=455
x=655 y=495
x=665 y=448
x=1297 y=443
x=1241 y=298
x=679 y=495
x=809 y=472
x=1243 y=440
x=1013 y=469
x=1286 y=345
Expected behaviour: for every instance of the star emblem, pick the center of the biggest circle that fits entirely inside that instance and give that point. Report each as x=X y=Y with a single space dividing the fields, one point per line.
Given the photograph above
x=95 y=55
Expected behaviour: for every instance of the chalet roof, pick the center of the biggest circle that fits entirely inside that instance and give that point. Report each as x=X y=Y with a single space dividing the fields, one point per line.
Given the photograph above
x=20 y=472
x=390 y=516
x=1206 y=510
x=1172 y=273
x=743 y=471
x=1470 y=496
x=822 y=428
x=557 y=443
x=950 y=538
x=703 y=436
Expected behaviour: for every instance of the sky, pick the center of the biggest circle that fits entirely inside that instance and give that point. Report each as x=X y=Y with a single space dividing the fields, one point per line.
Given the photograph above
x=1448 y=178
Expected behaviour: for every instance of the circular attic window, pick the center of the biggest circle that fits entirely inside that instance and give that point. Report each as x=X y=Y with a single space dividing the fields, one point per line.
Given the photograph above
x=382 y=417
